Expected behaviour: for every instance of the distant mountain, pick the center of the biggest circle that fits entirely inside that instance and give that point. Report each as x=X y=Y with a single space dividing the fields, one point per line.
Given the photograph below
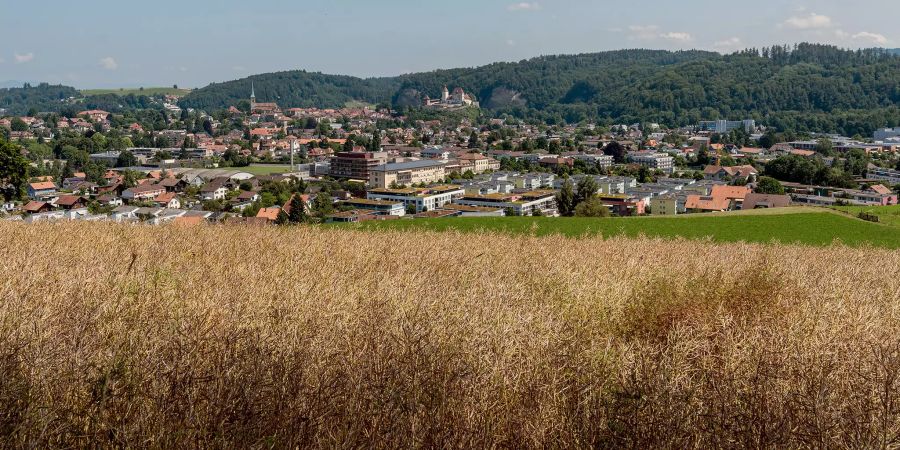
x=809 y=86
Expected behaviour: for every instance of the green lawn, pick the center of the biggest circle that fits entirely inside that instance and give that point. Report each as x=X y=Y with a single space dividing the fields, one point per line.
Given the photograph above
x=809 y=227
x=137 y=91
x=888 y=215
x=265 y=169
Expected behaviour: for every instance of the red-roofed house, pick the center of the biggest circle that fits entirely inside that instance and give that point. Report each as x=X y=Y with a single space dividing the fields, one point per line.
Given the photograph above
x=41 y=189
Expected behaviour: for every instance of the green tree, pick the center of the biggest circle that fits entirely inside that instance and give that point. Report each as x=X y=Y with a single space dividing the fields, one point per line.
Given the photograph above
x=587 y=189
x=129 y=179
x=282 y=218
x=322 y=205
x=591 y=207
x=769 y=185
x=825 y=147
x=94 y=172
x=13 y=171
x=615 y=150
x=298 y=210
x=474 y=141
x=565 y=199
x=18 y=124
x=126 y=159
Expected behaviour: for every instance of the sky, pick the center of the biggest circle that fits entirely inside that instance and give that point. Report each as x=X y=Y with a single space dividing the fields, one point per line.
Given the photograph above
x=128 y=43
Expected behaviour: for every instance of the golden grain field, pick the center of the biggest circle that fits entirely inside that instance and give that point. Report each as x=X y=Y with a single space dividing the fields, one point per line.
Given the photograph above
x=230 y=337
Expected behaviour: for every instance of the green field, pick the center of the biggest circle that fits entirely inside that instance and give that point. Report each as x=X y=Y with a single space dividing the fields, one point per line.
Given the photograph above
x=138 y=91
x=887 y=215
x=806 y=226
x=265 y=169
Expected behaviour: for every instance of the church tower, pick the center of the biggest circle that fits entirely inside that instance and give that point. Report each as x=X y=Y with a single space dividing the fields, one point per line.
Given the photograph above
x=252 y=96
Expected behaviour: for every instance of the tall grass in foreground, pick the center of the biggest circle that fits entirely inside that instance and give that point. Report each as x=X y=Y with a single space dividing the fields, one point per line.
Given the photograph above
x=238 y=337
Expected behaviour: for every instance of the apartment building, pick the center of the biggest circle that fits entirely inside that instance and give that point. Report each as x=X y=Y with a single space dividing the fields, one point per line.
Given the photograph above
x=356 y=165
x=423 y=199
x=406 y=173
x=653 y=160
x=525 y=204
x=890 y=176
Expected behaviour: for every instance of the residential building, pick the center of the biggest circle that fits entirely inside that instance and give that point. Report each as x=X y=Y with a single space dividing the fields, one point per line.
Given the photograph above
x=720 y=173
x=473 y=211
x=886 y=133
x=724 y=126
x=664 y=205
x=143 y=192
x=623 y=204
x=386 y=207
x=213 y=192
x=653 y=160
x=477 y=163
x=422 y=199
x=71 y=202
x=406 y=173
x=765 y=201
x=525 y=204
x=356 y=165
x=890 y=176
x=41 y=190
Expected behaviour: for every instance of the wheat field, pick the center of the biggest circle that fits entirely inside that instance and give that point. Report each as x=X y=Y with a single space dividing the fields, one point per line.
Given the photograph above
x=231 y=337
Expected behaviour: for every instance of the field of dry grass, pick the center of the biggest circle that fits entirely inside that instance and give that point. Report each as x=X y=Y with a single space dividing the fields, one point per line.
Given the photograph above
x=308 y=337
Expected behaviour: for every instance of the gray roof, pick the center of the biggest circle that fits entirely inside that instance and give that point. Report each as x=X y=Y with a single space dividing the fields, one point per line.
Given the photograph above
x=408 y=165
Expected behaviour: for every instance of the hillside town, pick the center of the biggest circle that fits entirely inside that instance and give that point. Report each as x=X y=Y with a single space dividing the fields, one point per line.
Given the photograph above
x=260 y=164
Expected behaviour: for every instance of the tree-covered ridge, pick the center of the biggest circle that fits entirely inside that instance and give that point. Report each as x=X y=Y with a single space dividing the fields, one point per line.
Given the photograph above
x=294 y=89
x=67 y=100
x=43 y=97
x=805 y=87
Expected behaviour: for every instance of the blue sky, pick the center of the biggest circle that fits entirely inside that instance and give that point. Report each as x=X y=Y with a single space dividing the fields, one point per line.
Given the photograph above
x=126 y=43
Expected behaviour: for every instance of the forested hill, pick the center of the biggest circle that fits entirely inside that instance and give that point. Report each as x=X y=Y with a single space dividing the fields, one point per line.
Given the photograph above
x=807 y=86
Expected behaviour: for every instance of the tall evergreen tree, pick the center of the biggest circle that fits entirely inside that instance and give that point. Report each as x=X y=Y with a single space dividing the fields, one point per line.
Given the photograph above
x=297 y=212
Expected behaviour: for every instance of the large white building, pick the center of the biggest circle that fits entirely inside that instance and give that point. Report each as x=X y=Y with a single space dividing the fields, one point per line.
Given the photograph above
x=890 y=176
x=724 y=126
x=653 y=160
x=887 y=133
x=424 y=199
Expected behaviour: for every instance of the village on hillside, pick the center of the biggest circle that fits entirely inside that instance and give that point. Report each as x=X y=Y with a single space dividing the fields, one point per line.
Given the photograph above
x=266 y=165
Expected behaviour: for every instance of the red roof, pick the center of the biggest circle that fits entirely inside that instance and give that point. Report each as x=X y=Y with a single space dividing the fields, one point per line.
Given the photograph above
x=269 y=213
x=34 y=206
x=43 y=186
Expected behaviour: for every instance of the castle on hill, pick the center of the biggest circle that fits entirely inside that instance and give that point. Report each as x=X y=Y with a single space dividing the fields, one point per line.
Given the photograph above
x=457 y=99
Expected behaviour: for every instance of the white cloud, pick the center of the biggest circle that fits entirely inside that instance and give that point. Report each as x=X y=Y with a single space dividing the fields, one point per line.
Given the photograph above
x=652 y=32
x=524 y=6
x=809 y=22
x=732 y=43
x=643 y=32
x=24 y=58
x=874 y=38
x=677 y=36
x=109 y=63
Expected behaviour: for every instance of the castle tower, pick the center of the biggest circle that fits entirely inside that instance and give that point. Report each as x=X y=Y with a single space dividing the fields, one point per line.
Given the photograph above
x=445 y=95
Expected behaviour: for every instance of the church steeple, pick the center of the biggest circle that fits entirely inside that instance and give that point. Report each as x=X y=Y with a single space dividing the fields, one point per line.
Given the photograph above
x=252 y=94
